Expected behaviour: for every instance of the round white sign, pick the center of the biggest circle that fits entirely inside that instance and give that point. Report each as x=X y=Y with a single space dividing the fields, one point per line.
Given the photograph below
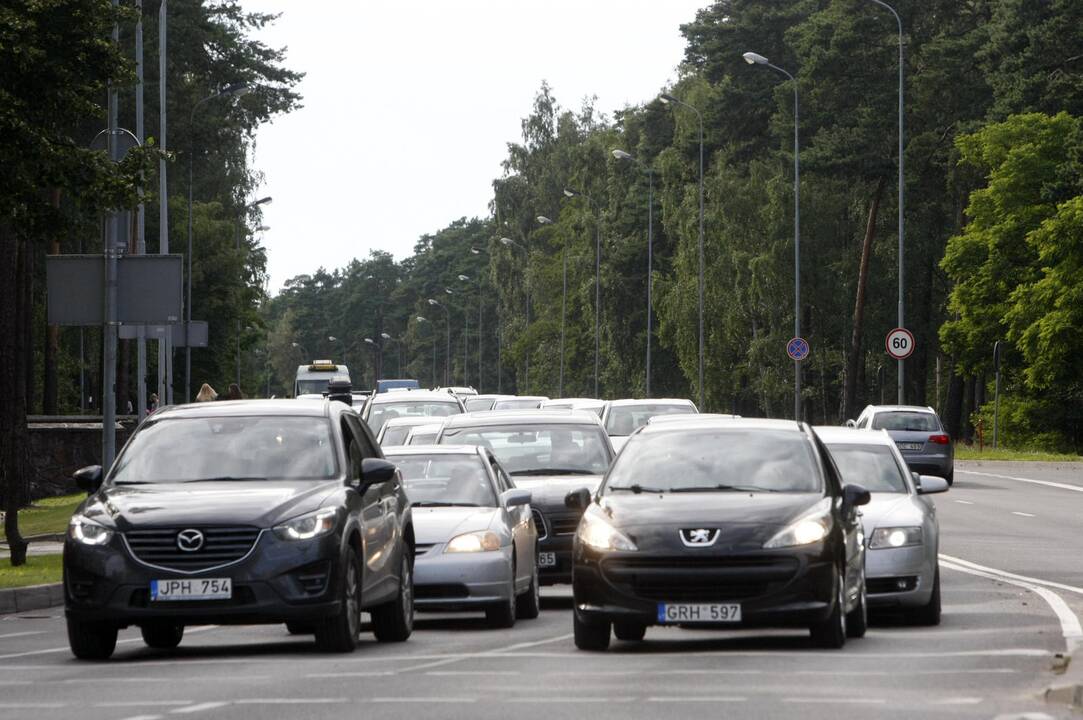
x=899 y=343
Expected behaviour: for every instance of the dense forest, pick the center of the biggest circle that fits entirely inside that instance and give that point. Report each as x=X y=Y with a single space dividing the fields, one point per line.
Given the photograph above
x=994 y=243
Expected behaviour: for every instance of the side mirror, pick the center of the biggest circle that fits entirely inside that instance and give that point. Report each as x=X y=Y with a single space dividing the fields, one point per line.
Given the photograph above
x=854 y=496
x=929 y=484
x=375 y=471
x=851 y=424
x=515 y=497
x=88 y=478
x=577 y=499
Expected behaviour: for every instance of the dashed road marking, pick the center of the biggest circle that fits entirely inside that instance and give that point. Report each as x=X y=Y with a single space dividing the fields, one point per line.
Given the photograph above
x=1048 y=483
x=424 y=700
x=964 y=502
x=836 y=700
x=958 y=701
x=1022 y=514
x=198 y=708
x=714 y=699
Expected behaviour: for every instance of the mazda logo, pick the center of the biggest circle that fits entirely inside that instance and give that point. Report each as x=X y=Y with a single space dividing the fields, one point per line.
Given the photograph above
x=189 y=540
x=699 y=537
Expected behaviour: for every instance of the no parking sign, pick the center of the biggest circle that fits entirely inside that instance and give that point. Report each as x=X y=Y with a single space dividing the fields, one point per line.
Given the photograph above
x=798 y=349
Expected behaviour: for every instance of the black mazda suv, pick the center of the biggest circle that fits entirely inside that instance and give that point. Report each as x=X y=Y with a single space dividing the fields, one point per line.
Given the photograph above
x=719 y=523
x=241 y=512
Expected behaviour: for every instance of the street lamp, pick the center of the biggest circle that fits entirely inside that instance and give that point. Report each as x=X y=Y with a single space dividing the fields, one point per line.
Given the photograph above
x=569 y=193
x=898 y=22
x=378 y=349
x=447 y=324
x=667 y=99
x=477 y=284
x=543 y=220
x=466 y=333
x=508 y=242
x=421 y=319
x=232 y=90
x=622 y=155
x=756 y=59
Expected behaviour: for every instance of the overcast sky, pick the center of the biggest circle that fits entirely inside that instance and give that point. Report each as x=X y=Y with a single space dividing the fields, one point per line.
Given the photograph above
x=408 y=107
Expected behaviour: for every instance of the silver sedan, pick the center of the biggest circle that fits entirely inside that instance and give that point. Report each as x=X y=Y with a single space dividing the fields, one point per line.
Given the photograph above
x=901 y=530
x=475 y=540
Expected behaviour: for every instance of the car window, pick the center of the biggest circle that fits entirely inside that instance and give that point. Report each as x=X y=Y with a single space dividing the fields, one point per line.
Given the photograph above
x=862 y=422
x=537 y=449
x=365 y=441
x=626 y=419
x=906 y=421
x=871 y=466
x=516 y=404
x=473 y=404
x=440 y=479
x=382 y=412
x=502 y=480
x=425 y=438
x=395 y=435
x=252 y=447
x=688 y=460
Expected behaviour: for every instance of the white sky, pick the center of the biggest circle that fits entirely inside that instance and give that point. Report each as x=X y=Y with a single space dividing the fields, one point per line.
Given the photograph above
x=409 y=106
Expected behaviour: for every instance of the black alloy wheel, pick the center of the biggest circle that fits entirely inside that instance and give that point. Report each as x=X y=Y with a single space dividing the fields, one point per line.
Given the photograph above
x=339 y=632
x=394 y=621
x=91 y=641
x=590 y=636
x=631 y=632
x=857 y=620
x=162 y=635
x=528 y=605
x=831 y=633
x=929 y=613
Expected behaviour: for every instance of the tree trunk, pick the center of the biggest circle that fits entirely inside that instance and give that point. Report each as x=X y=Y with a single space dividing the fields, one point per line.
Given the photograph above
x=15 y=269
x=52 y=340
x=953 y=406
x=853 y=357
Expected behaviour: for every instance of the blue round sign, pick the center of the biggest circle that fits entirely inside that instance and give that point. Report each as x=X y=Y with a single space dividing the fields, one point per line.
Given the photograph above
x=797 y=348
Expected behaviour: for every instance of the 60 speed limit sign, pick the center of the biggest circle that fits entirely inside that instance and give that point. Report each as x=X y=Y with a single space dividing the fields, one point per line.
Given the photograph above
x=900 y=343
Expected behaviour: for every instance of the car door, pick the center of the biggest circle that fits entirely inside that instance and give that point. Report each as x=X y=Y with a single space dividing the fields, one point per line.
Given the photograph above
x=518 y=519
x=378 y=531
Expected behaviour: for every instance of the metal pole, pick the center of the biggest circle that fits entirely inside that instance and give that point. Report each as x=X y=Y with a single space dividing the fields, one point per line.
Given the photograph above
x=563 y=312
x=480 y=336
x=499 y=354
x=237 y=323
x=434 y=357
x=188 y=304
x=165 y=344
x=141 y=243
x=650 y=262
x=702 y=393
x=447 y=356
x=996 y=394
x=109 y=329
x=466 y=346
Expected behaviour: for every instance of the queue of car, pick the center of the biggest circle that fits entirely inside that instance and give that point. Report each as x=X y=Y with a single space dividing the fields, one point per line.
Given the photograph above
x=309 y=512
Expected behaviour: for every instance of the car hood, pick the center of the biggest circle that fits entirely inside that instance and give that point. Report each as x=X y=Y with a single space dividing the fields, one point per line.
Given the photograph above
x=745 y=520
x=261 y=504
x=892 y=509
x=549 y=491
x=440 y=524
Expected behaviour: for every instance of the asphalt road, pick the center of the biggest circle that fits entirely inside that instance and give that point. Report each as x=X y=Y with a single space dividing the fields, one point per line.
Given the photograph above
x=991 y=657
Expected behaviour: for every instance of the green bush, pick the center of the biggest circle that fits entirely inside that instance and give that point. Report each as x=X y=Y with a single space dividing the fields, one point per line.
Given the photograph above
x=1026 y=424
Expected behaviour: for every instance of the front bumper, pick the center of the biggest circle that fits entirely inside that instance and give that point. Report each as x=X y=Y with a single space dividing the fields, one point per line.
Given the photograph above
x=461 y=581
x=899 y=577
x=278 y=581
x=775 y=589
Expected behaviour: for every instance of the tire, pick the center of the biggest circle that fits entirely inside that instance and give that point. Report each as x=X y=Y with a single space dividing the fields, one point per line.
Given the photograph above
x=857 y=620
x=929 y=614
x=950 y=477
x=590 y=636
x=162 y=635
x=528 y=605
x=91 y=641
x=632 y=632
x=502 y=615
x=394 y=621
x=299 y=628
x=831 y=633
x=339 y=632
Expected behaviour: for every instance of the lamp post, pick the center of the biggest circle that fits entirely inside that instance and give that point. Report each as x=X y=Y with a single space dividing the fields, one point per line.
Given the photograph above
x=466 y=334
x=477 y=285
x=387 y=338
x=233 y=90
x=421 y=319
x=670 y=99
x=996 y=395
x=570 y=193
x=898 y=22
x=447 y=324
x=508 y=242
x=378 y=352
x=622 y=155
x=543 y=220
x=755 y=59
x=237 y=245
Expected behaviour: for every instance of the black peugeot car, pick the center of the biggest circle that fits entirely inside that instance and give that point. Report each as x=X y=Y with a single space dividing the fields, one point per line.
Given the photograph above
x=241 y=512
x=725 y=523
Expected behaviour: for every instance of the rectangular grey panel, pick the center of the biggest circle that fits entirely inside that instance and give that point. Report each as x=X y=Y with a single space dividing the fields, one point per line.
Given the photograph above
x=199 y=333
x=149 y=289
x=74 y=284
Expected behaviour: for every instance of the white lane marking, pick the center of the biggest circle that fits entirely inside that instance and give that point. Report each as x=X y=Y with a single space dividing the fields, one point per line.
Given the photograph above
x=1014 y=576
x=22 y=634
x=361 y=674
x=142 y=703
x=1022 y=514
x=66 y=648
x=291 y=701
x=472 y=672
x=834 y=700
x=964 y=502
x=895 y=673
x=1069 y=623
x=496 y=652
x=522 y=645
x=958 y=701
x=1048 y=483
x=733 y=699
x=710 y=672
x=198 y=708
x=424 y=700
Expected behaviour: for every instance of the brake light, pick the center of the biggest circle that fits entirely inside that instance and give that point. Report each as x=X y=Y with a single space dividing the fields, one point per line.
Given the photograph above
x=939 y=439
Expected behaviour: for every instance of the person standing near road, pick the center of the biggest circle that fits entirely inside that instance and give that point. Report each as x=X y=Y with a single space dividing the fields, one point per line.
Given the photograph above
x=152 y=403
x=206 y=394
x=234 y=392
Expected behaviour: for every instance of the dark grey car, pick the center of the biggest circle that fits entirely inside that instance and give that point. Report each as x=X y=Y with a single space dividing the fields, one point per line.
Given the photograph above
x=918 y=433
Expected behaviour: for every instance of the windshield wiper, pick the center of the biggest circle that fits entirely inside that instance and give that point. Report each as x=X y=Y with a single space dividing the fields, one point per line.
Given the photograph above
x=132 y=482
x=434 y=503
x=226 y=478
x=637 y=488
x=724 y=488
x=553 y=471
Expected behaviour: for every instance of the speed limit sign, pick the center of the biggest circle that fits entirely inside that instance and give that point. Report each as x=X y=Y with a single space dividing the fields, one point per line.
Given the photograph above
x=900 y=343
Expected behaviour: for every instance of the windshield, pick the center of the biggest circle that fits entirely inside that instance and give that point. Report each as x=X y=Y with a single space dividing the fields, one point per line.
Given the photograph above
x=478 y=404
x=382 y=412
x=229 y=448
x=710 y=460
x=445 y=480
x=313 y=387
x=871 y=466
x=539 y=449
x=626 y=419
x=906 y=421
x=395 y=435
x=516 y=404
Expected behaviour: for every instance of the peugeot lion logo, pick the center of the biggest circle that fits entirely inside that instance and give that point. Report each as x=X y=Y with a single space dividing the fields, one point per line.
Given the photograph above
x=189 y=540
x=699 y=537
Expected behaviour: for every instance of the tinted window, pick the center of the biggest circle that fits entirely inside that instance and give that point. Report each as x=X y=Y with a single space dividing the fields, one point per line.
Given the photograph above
x=626 y=419
x=312 y=387
x=687 y=460
x=425 y=438
x=871 y=466
x=912 y=421
x=539 y=449
x=516 y=404
x=185 y=449
x=482 y=404
x=395 y=435
x=382 y=412
x=445 y=479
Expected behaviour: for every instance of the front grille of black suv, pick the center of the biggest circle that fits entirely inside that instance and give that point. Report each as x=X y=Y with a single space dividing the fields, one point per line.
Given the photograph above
x=221 y=546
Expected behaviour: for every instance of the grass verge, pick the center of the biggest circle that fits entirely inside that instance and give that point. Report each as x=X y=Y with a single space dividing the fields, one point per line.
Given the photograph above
x=38 y=570
x=971 y=452
x=50 y=515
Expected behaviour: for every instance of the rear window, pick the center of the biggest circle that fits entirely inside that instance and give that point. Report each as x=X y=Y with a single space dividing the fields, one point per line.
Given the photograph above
x=395 y=435
x=473 y=404
x=439 y=479
x=872 y=466
x=906 y=421
x=626 y=419
x=382 y=412
x=517 y=404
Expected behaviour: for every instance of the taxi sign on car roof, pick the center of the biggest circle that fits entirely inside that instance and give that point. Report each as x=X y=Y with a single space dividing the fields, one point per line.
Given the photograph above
x=322 y=366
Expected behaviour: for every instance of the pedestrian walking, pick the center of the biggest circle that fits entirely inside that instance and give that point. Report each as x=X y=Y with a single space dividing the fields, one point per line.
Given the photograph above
x=206 y=394
x=152 y=403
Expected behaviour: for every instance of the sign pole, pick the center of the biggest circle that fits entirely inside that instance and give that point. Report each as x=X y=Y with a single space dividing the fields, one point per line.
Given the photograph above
x=996 y=394
x=109 y=326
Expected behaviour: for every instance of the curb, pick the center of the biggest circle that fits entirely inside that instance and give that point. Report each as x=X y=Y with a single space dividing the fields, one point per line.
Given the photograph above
x=32 y=597
x=1067 y=690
